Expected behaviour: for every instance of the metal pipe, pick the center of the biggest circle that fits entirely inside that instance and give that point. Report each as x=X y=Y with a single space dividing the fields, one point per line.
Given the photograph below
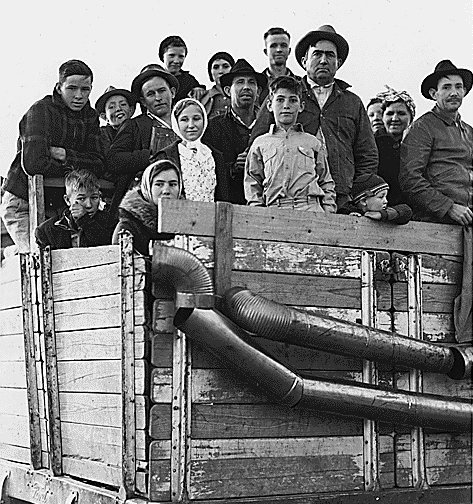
x=231 y=344
x=277 y=322
x=182 y=271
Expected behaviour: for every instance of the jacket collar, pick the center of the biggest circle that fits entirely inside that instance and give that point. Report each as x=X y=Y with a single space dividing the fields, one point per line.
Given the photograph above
x=66 y=221
x=446 y=118
x=140 y=209
x=59 y=102
x=296 y=128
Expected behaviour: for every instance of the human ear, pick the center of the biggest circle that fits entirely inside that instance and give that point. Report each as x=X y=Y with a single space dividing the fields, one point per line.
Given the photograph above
x=301 y=106
x=339 y=63
x=269 y=105
x=432 y=93
x=173 y=92
x=265 y=51
x=227 y=90
x=103 y=116
x=67 y=200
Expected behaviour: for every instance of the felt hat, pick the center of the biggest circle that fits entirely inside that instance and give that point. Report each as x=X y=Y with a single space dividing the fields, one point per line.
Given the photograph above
x=367 y=185
x=112 y=91
x=324 y=32
x=219 y=55
x=442 y=69
x=242 y=67
x=148 y=73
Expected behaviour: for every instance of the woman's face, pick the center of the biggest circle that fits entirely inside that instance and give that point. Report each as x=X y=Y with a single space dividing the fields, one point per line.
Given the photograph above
x=396 y=118
x=219 y=67
x=165 y=185
x=375 y=115
x=191 y=123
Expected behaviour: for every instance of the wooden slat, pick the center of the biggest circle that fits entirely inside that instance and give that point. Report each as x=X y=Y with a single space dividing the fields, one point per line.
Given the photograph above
x=15 y=430
x=15 y=453
x=442 y=269
x=440 y=385
x=92 y=471
x=36 y=206
x=78 y=258
x=196 y=218
x=13 y=401
x=10 y=294
x=437 y=327
x=97 y=376
x=436 y=298
x=9 y=270
x=11 y=321
x=160 y=480
x=160 y=421
x=223 y=251
x=258 y=467
x=13 y=374
x=12 y=348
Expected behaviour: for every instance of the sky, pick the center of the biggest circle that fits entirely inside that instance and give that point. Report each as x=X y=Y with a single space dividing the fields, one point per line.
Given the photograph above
x=394 y=42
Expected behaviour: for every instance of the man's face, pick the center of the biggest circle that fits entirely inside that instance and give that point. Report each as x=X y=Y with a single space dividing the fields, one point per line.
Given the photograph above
x=277 y=49
x=117 y=110
x=285 y=105
x=174 y=59
x=243 y=91
x=449 y=93
x=156 y=96
x=321 y=62
x=75 y=91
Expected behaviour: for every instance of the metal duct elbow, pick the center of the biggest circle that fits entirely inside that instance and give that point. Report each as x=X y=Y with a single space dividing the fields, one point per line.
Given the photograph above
x=183 y=272
x=274 y=321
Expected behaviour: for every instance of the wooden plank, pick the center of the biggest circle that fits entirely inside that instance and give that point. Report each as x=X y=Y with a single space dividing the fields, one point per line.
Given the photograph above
x=15 y=430
x=11 y=321
x=437 y=327
x=13 y=401
x=160 y=421
x=435 y=268
x=36 y=206
x=9 y=270
x=95 y=312
x=10 y=294
x=97 y=376
x=12 y=348
x=436 y=298
x=257 y=467
x=223 y=251
x=160 y=480
x=15 y=453
x=197 y=218
x=440 y=385
x=13 y=375
x=161 y=350
x=78 y=258
x=92 y=471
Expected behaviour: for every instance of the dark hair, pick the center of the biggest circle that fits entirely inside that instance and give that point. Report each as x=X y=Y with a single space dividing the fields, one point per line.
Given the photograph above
x=286 y=82
x=373 y=101
x=171 y=41
x=276 y=31
x=74 y=67
x=77 y=179
x=219 y=55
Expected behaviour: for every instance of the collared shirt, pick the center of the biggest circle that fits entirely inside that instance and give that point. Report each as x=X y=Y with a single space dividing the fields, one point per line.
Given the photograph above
x=437 y=164
x=288 y=164
x=321 y=93
x=161 y=122
x=240 y=121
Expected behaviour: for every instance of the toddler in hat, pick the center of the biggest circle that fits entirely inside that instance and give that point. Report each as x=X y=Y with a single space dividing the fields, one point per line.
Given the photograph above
x=369 y=195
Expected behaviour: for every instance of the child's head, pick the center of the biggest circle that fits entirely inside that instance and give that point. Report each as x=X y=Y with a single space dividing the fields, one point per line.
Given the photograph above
x=74 y=84
x=82 y=191
x=161 y=179
x=172 y=52
x=285 y=101
x=189 y=119
x=219 y=64
x=370 y=192
x=115 y=106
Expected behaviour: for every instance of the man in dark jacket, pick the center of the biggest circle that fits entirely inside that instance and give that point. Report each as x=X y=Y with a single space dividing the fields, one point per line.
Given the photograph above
x=141 y=137
x=57 y=134
x=334 y=114
x=229 y=133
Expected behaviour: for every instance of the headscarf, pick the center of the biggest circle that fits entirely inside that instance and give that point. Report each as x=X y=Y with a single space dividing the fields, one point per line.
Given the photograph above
x=150 y=173
x=391 y=95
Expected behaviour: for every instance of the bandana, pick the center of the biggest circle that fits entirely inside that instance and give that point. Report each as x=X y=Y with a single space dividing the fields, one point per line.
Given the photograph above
x=391 y=95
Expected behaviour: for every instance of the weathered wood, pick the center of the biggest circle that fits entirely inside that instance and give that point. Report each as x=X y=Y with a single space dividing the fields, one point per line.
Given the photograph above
x=223 y=251
x=439 y=385
x=11 y=321
x=10 y=294
x=160 y=480
x=13 y=401
x=54 y=419
x=15 y=430
x=15 y=453
x=12 y=348
x=79 y=258
x=160 y=421
x=128 y=455
x=91 y=470
x=36 y=206
x=196 y=218
x=435 y=269
x=13 y=375
x=436 y=327
x=436 y=298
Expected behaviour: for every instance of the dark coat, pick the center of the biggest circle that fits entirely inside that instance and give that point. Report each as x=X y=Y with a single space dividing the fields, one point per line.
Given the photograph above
x=139 y=217
x=222 y=190
x=398 y=214
x=56 y=233
x=187 y=82
x=225 y=135
x=51 y=123
x=389 y=151
x=351 y=147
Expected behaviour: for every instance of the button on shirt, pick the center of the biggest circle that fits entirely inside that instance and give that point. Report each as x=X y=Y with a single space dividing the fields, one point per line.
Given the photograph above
x=437 y=165
x=288 y=164
x=321 y=93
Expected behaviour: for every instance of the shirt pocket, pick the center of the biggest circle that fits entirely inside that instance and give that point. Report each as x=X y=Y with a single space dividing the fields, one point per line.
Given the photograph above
x=268 y=155
x=308 y=159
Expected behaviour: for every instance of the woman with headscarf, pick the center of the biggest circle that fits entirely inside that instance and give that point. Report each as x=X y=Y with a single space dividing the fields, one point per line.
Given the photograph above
x=203 y=176
x=398 y=113
x=138 y=208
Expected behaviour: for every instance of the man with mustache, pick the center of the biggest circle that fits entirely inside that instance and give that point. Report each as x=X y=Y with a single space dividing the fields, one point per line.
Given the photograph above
x=229 y=133
x=58 y=133
x=331 y=112
x=437 y=153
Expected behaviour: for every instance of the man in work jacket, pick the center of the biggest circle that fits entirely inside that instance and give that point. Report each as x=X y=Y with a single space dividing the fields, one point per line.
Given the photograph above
x=331 y=112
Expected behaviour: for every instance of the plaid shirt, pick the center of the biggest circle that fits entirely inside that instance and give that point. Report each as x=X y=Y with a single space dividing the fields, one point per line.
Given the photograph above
x=50 y=123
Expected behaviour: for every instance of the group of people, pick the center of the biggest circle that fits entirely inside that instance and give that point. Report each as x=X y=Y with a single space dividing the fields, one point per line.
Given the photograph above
x=268 y=138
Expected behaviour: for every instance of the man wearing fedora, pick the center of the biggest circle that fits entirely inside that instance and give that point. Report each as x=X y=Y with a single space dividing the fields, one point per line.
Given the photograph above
x=331 y=112
x=142 y=136
x=114 y=107
x=437 y=153
x=229 y=133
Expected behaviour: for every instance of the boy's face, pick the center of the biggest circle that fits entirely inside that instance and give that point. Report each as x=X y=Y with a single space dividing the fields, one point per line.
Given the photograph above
x=75 y=91
x=83 y=201
x=174 y=59
x=377 y=202
x=165 y=185
x=157 y=96
x=285 y=105
x=117 y=110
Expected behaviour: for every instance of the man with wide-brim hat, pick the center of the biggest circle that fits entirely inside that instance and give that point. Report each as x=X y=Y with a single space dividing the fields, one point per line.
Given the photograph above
x=229 y=133
x=114 y=107
x=436 y=170
x=331 y=112
x=148 y=133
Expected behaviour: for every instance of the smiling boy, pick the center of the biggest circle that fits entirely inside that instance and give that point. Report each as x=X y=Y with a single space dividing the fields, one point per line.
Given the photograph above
x=287 y=167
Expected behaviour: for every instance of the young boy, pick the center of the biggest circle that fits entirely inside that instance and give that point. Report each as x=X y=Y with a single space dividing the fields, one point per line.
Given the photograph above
x=172 y=52
x=83 y=223
x=369 y=195
x=287 y=167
